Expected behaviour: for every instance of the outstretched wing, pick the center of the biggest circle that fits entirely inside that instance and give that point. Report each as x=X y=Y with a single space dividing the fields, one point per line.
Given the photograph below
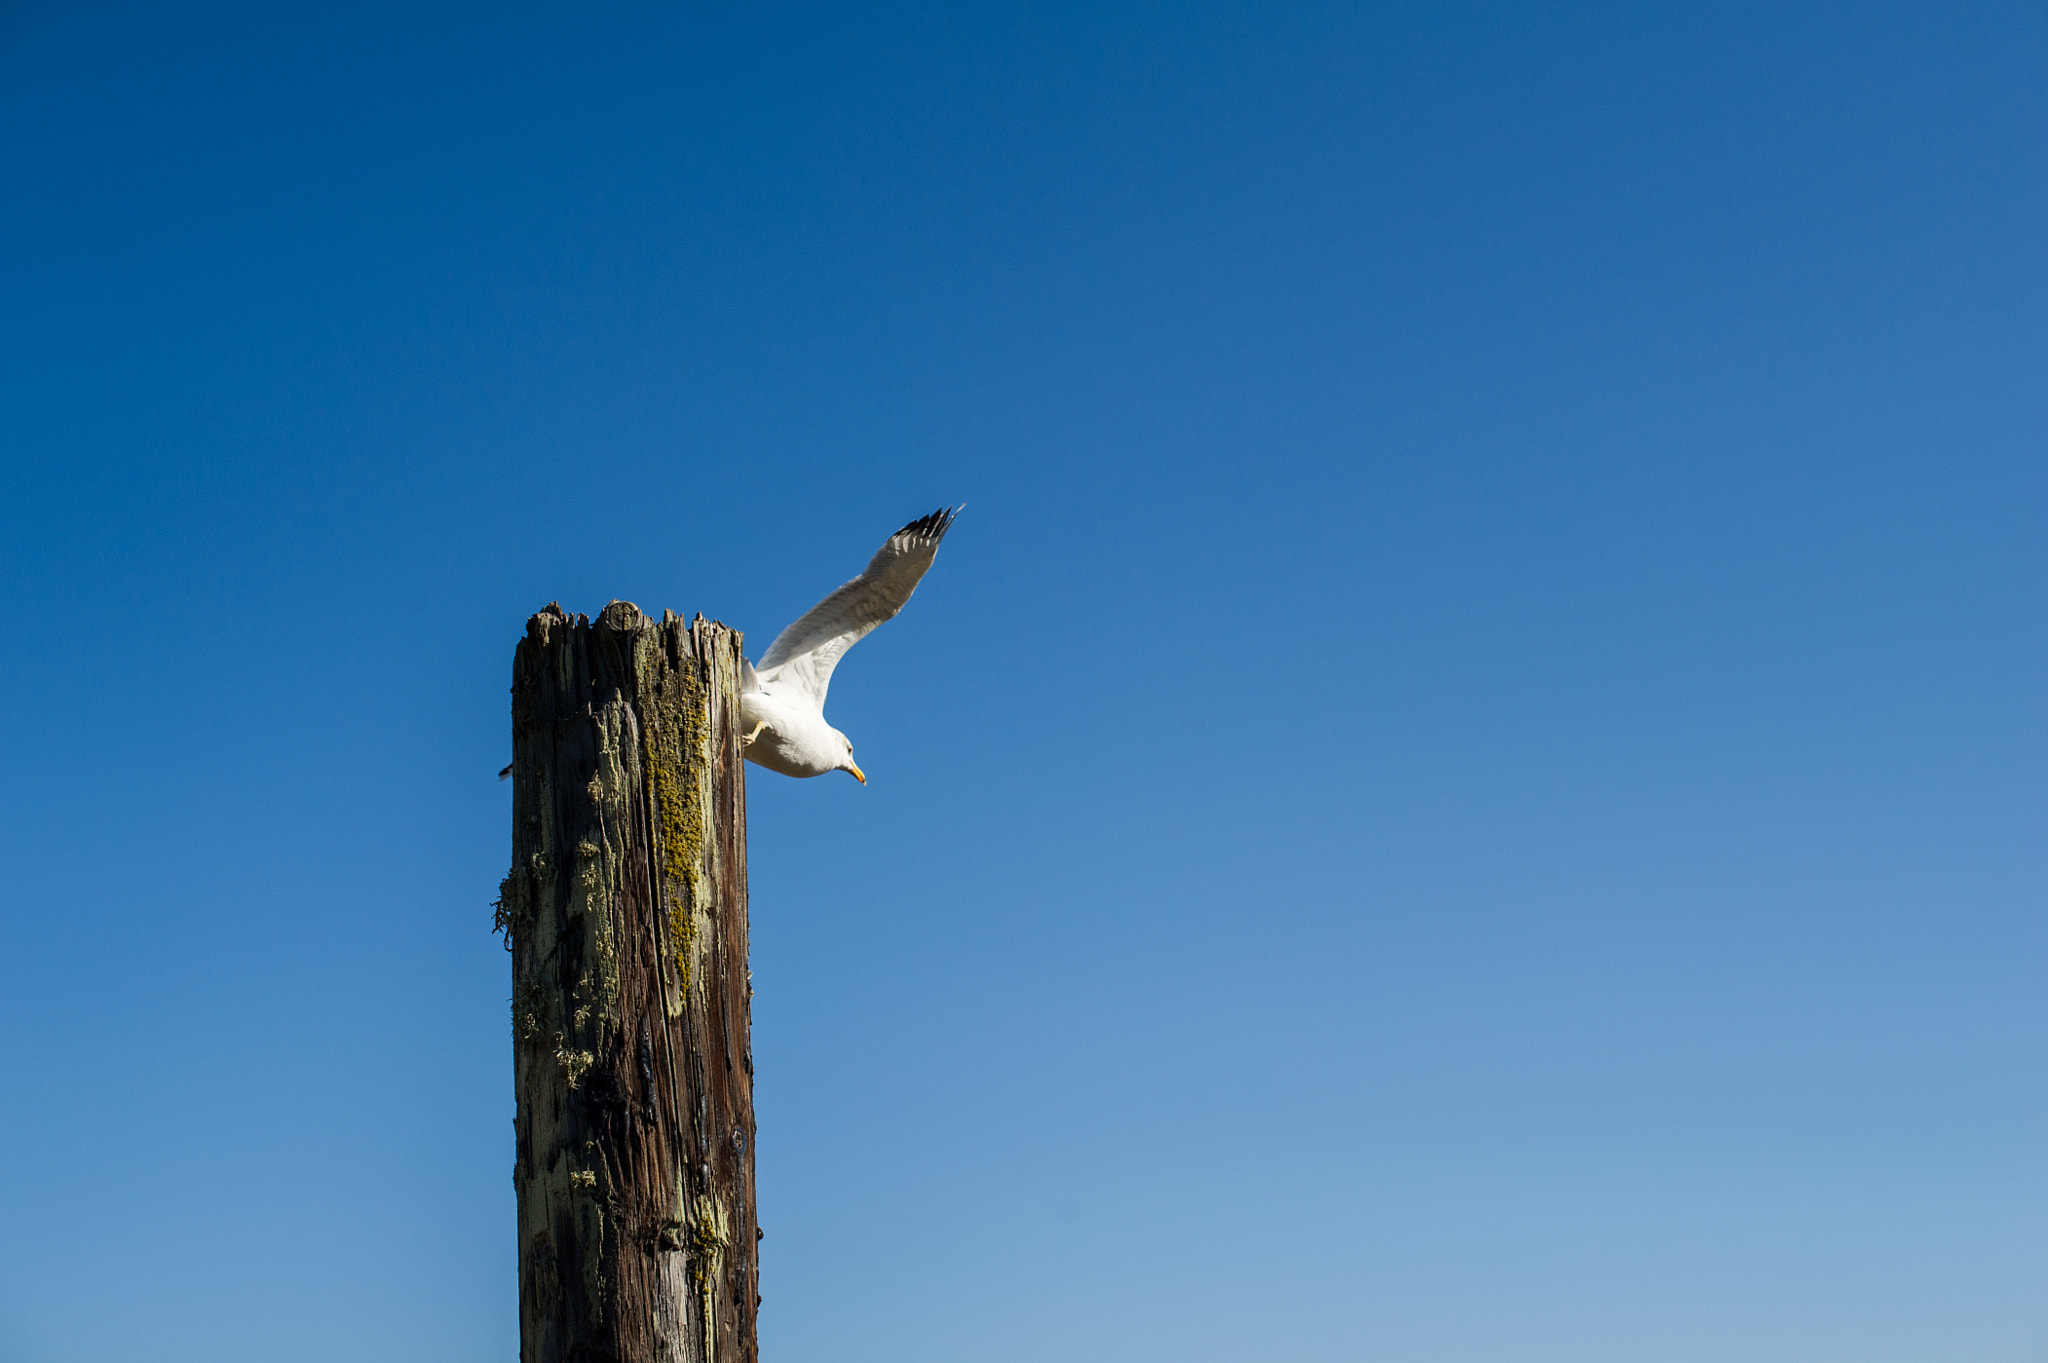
x=798 y=665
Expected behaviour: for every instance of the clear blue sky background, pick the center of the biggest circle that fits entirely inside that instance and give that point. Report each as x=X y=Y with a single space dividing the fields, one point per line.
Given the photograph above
x=1469 y=787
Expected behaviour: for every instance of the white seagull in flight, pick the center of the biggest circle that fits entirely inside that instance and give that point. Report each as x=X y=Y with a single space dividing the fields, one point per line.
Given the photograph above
x=782 y=702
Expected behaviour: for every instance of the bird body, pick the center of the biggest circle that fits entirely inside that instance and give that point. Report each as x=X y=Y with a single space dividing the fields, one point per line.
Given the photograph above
x=782 y=702
x=793 y=739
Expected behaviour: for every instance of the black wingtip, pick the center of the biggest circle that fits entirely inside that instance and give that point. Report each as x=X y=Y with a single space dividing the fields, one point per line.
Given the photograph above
x=934 y=526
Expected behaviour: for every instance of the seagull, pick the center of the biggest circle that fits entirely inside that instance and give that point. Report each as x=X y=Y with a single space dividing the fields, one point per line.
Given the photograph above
x=782 y=702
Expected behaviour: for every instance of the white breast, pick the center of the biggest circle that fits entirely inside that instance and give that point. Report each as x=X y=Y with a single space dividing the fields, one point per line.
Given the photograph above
x=796 y=742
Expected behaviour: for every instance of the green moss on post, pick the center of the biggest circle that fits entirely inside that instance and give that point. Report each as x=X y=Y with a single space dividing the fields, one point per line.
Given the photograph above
x=626 y=915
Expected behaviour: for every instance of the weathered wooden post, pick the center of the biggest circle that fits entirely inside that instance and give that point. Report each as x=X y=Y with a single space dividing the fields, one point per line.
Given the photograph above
x=626 y=916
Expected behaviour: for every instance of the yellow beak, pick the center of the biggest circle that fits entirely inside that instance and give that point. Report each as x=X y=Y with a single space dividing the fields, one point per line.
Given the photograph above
x=858 y=774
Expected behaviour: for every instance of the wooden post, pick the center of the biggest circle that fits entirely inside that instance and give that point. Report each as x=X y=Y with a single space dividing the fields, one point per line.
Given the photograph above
x=626 y=916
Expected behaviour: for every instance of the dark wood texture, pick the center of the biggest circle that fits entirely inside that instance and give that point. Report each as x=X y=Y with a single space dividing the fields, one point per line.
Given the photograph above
x=626 y=915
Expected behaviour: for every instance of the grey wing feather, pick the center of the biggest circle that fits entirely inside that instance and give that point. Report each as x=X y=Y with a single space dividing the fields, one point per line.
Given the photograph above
x=800 y=661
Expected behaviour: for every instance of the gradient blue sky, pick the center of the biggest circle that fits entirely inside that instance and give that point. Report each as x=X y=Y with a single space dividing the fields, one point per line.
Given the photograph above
x=1469 y=787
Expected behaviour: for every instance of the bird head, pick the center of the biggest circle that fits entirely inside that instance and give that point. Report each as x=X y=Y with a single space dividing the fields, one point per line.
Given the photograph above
x=846 y=763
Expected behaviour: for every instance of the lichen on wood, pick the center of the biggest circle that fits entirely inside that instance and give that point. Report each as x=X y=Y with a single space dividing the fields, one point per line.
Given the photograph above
x=625 y=912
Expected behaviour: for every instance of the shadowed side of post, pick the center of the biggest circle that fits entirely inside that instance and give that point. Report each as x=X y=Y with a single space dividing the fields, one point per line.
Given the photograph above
x=626 y=915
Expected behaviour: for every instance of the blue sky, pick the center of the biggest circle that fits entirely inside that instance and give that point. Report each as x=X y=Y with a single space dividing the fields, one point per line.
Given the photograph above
x=1468 y=787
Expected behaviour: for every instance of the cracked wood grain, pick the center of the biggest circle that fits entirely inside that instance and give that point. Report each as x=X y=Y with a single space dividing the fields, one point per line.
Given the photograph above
x=626 y=915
